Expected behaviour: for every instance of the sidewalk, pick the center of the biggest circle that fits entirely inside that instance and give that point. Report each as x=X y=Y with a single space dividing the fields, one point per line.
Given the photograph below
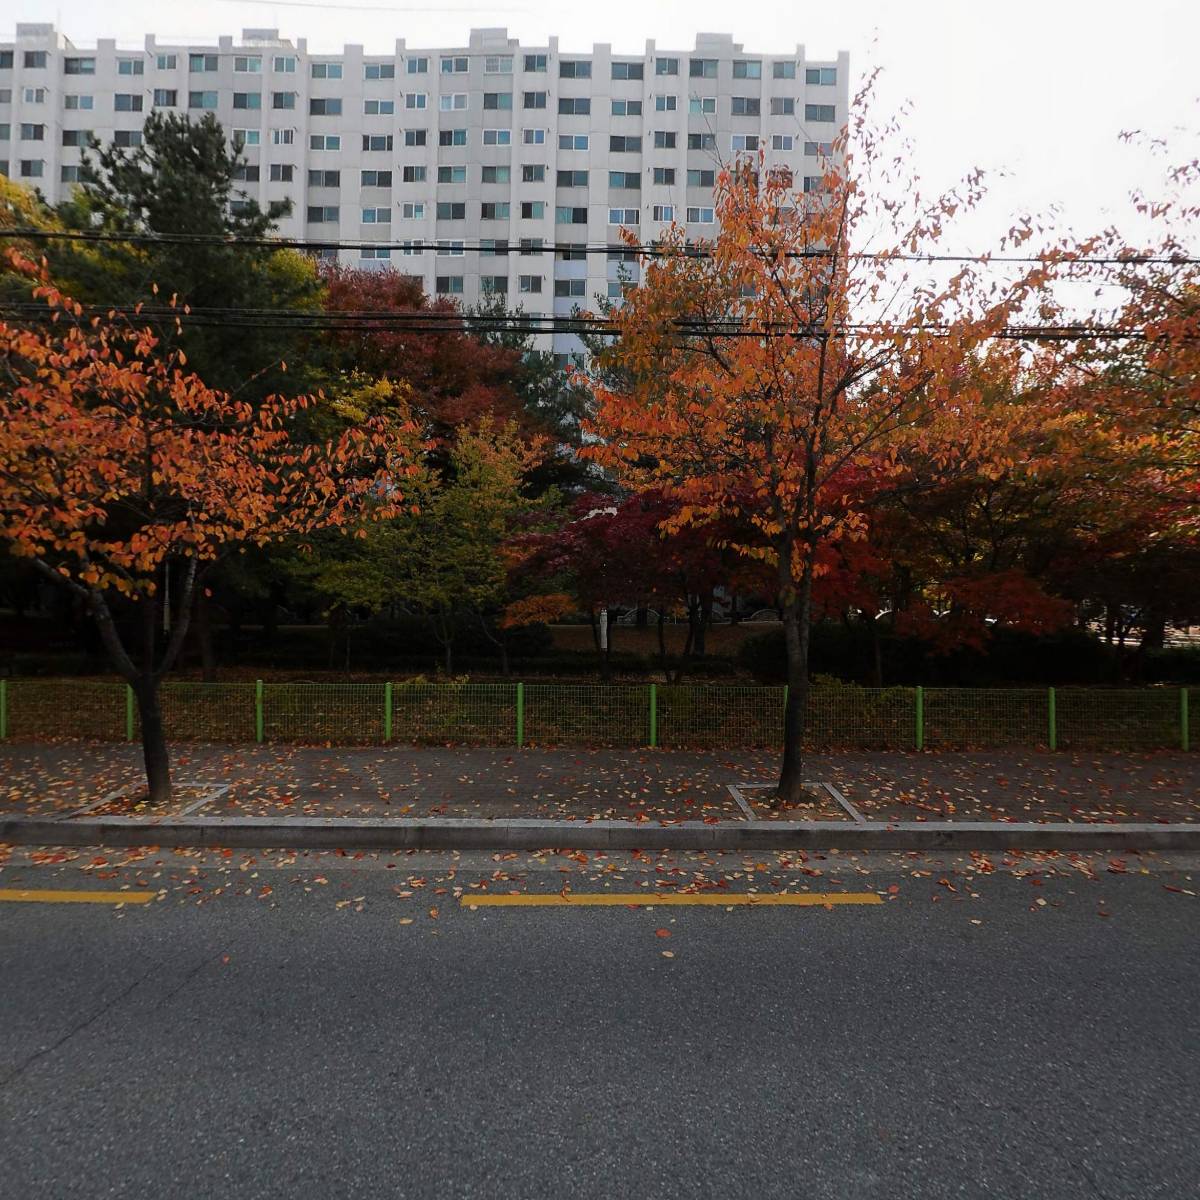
x=275 y=781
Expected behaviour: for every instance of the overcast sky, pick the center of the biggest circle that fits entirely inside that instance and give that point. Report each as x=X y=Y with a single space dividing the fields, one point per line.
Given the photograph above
x=1039 y=89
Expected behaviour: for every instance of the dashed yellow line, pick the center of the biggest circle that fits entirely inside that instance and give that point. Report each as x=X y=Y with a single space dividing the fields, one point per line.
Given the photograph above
x=53 y=896
x=642 y=900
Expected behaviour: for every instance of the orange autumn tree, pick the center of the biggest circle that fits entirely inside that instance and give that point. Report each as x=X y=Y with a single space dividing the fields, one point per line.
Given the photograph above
x=118 y=465
x=754 y=377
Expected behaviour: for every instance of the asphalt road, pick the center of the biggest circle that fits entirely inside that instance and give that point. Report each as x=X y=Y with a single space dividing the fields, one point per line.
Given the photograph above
x=333 y=1039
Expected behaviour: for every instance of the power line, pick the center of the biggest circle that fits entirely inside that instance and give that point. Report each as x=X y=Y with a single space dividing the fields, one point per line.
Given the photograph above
x=645 y=250
x=430 y=322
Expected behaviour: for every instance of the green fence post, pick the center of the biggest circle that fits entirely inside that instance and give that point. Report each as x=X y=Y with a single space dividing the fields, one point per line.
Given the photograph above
x=3 y=709
x=258 y=710
x=1184 y=738
x=128 y=713
x=520 y=715
x=1052 y=718
x=653 y=715
x=920 y=718
x=387 y=712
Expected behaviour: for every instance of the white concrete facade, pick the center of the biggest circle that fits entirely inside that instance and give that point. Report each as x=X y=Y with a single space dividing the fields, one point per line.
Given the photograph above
x=494 y=144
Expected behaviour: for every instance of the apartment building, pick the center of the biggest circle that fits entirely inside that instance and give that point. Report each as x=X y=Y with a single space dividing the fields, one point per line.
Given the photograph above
x=489 y=168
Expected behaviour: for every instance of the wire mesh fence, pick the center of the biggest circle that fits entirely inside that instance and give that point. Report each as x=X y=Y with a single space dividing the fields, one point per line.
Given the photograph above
x=676 y=716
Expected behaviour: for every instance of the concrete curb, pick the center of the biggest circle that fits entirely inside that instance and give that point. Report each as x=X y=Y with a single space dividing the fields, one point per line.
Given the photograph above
x=444 y=833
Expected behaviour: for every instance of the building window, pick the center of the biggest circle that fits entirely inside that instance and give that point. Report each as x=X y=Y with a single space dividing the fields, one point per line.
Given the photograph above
x=452 y=137
x=416 y=100
x=819 y=112
x=783 y=106
x=494 y=210
x=702 y=105
x=701 y=178
x=379 y=108
x=202 y=63
x=818 y=149
x=702 y=141
x=283 y=173
x=285 y=64
x=663 y=212
x=533 y=173
x=36 y=60
x=379 y=179
x=379 y=71
x=320 y=178
x=744 y=141
x=533 y=137
x=415 y=137
x=573 y=141
x=449 y=285
x=664 y=139
x=454 y=66
x=493 y=285
x=202 y=99
x=245 y=64
x=497 y=101
x=325 y=70
x=530 y=247
x=535 y=62
x=567 y=288
x=165 y=97
x=246 y=172
x=498 y=64
x=79 y=66
x=131 y=66
x=69 y=174
x=624 y=145
x=452 y=175
x=821 y=76
x=574 y=106
x=283 y=100
x=322 y=214
x=497 y=174
x=325 y=141
x=700 y=216
x=666 y=66
x=573 y=252
x=497 y=137
x=628 y=70
x=568 y=179
x=73 y=103
x=451 y=210
x=452 y=249
x=627 y=108
x=782 y=141
x=533 y=210
x=664 y=176
x=533 y=100
x=377 y=216
x=530 y=285
x=32 y=168
x=783 y=70
x=745 y=106
x=320 y=106
x=414 y=211
x=570 y=216
x=452 y=102
x=283 y=137
x=250 y=100
x=76 y=137
x=666 y=103
x=377 y=141
x=493 y=247
x=127 y=138
x=127 y=102
x=412 y=174
x=702 y=68
x=374 y=252
x=165 y=62
x=574 y=69
x=624 y=179
x=624 y=216
x=744 y=68
x=417 y=66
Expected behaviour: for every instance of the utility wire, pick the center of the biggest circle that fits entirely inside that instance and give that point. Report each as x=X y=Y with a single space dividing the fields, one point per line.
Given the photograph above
x=646 y=250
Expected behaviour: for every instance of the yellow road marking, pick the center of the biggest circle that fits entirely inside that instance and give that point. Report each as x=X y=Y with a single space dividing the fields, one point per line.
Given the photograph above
x=641 y=900
x=52 y=896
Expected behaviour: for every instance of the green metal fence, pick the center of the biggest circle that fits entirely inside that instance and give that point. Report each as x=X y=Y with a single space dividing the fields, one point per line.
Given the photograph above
x=673 y=716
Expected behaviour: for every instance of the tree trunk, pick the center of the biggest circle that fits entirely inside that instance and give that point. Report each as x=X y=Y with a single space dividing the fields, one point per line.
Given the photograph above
x=154 y=741
x=700 y=646
x=208 y=659
x=876 y=653
x=662 y=646
x=797 y=623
